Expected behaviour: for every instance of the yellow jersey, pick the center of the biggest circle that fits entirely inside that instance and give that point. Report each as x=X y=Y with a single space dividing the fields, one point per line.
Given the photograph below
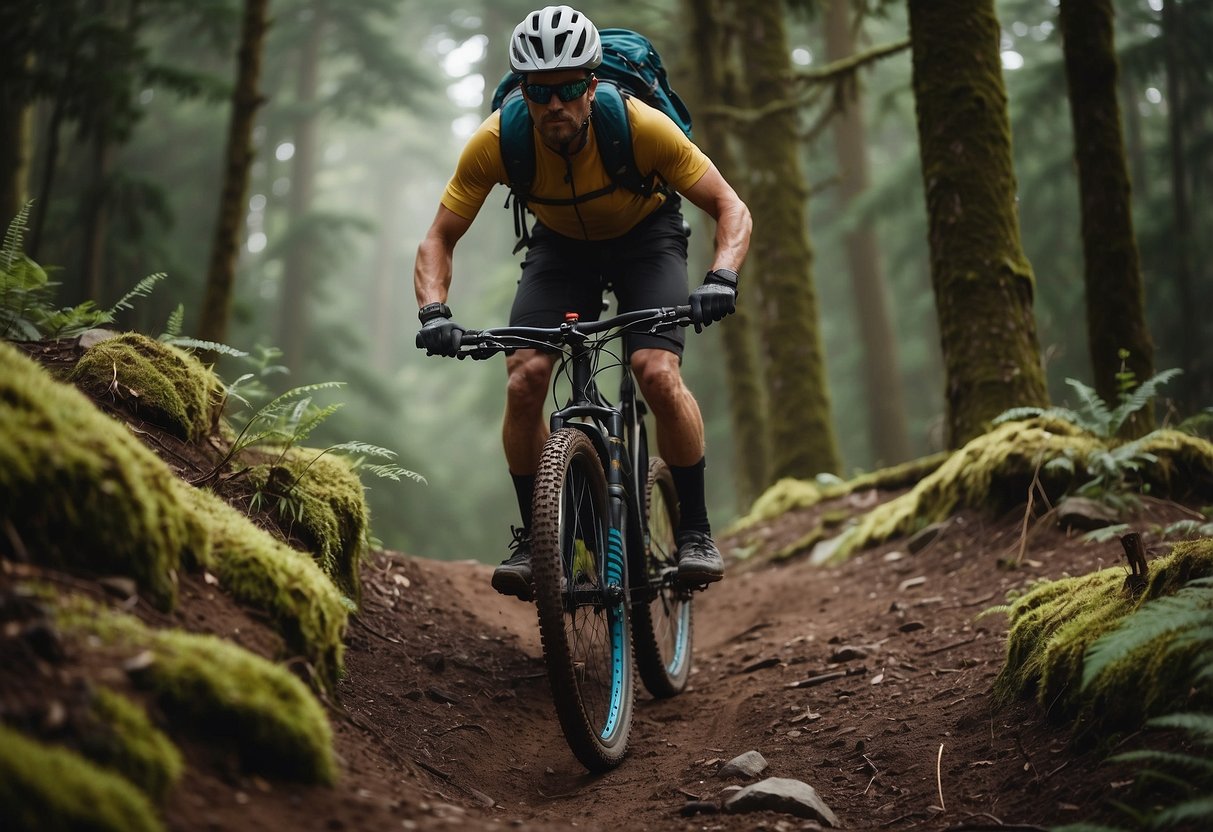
x=657 y=142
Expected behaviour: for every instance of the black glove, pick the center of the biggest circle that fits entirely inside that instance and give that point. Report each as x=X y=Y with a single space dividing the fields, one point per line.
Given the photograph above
x=439 y=335
x=716 y=298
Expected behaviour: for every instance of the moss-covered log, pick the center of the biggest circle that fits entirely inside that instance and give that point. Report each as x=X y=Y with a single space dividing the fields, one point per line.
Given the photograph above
x=982 y=279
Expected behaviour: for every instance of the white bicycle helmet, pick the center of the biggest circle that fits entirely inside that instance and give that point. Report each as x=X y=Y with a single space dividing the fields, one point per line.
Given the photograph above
x=555 y=37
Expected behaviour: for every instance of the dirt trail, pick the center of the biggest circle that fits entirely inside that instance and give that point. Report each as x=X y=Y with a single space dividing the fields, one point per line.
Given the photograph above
x=445 y=720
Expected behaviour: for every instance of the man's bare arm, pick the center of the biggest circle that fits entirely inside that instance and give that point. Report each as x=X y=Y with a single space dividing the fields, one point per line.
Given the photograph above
x=733 y=224
x=432 y=270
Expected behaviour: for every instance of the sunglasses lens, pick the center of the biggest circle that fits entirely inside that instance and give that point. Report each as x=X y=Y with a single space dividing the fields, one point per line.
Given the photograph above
x=542 y=93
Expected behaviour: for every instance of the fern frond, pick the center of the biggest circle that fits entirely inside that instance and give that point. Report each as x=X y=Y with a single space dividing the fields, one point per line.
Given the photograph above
x=1186 y=609
x=14 y=238
x=1015 y=414
x=176 y=321
x=303 y=390
x=1140 y=397
x=393 y=472
x=313 y=420
x=1060 y=463
x=1168 y=759
x=206 y=346
x=142 y=289
x=1197 y=809
x=1096 y=418
x=363 y=448
x=1198 y=725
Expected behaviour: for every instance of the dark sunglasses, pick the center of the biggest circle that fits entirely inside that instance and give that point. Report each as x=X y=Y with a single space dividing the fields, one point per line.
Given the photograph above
x=542 y=93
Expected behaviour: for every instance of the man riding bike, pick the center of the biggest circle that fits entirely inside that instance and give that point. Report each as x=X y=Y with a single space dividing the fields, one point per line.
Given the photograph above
x=634 y=243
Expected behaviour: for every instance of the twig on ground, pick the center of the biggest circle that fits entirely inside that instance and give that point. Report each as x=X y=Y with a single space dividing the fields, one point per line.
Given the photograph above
x=939 y=777
x=373 y=631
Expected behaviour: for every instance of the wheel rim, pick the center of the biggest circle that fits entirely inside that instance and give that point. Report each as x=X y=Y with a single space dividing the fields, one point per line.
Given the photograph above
x=669 y=610
x=595 y=630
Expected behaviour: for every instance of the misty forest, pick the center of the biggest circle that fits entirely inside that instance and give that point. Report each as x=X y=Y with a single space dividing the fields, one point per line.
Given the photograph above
x=983 y=237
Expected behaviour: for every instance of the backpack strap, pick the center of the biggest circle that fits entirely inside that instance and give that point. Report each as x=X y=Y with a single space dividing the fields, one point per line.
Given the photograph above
x=613 y=132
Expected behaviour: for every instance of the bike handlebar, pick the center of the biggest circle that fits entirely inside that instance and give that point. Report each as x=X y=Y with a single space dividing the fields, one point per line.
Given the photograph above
x=483 y=343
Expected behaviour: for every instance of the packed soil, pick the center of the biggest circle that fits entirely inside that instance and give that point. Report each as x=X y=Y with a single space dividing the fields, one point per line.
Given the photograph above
x=445 y=720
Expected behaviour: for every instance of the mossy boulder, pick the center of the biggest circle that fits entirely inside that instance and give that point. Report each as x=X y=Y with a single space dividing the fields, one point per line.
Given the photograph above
x=52 y=789
x=218 y=692
x=1054 y=624
x=259 y=570
x=155 y=381
x=81 y=492
x=318 y=499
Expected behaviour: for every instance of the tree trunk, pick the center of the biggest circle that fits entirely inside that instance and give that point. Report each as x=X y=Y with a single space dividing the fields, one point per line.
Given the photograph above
x=1190 y=317
x=888 y=436
x=982 y=279
x=384 y=313
x=802 y=436
x=297 y=265
x=15 y=150
x=96 y=218
x=1115 y=297
x=715 y=72
x=229 y=226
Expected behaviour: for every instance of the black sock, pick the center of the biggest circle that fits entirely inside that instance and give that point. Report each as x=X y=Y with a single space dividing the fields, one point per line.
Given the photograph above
x=524 y=484
x=693 y=507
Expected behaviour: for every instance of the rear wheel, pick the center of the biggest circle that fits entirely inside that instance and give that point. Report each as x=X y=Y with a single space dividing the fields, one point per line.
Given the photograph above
x=579 y=574
x=661 y=627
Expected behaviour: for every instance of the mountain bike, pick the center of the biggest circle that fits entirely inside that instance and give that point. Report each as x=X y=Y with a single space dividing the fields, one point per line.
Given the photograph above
x=602 y=537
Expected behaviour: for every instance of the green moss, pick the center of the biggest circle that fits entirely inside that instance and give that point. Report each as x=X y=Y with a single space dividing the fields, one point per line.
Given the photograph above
x=48 y=789
x=320 y=501
x=81 y=491
x=1054 y=624
x=995 y=470
x=221 y=693
x=257 y=569
x=162 y=384
x=124 y=739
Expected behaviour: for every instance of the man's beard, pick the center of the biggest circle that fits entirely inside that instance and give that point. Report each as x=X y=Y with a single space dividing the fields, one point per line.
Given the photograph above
x=558 y=130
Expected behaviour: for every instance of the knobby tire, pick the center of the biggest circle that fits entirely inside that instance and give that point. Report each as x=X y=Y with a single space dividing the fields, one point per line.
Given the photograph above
x=586 y=645
x=662 y=626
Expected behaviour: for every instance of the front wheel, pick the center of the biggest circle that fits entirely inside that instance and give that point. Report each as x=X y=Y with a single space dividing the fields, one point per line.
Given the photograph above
x=661 y=617
x=580 y=590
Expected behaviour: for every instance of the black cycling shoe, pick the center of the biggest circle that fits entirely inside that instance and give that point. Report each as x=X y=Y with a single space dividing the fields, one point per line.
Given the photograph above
x=699 y=560
x=513 y=576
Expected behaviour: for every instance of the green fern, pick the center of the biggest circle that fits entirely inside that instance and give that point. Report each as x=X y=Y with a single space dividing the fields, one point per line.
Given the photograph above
x=1188 y=616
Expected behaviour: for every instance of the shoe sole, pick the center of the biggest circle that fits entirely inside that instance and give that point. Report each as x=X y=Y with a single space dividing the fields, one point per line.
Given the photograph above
x=513 y=585
x=698 y=579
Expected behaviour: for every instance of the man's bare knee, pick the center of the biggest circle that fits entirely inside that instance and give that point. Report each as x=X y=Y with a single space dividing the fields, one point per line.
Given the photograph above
x=659 y=375
x=530 y=372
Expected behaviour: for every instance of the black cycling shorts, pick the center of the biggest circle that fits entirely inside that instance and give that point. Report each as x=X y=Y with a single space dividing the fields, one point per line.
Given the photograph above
x=646 y=267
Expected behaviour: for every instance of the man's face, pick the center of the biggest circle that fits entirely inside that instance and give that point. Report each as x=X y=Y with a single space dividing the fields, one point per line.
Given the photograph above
x=558 y=121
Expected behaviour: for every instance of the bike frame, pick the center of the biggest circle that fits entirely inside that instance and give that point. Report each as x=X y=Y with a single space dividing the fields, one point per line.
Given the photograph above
x=616 y=430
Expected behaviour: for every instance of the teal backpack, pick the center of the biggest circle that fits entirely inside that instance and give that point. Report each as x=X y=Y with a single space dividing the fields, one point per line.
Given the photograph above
x=630 y=66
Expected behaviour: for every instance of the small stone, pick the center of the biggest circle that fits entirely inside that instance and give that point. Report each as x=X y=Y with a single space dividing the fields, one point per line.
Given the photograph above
x=848 y=653
x=749 y=764
x=93 y=337
x=118 y=586
x=698 y=807
x=1082 y=514
x=434 y=660
x=910 y=583
x=911 y=626
x=781 y=794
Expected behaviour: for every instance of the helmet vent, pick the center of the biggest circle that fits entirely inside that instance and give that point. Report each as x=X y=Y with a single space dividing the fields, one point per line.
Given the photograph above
x=536 y=46
x=581 y=43
x=560 y=40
